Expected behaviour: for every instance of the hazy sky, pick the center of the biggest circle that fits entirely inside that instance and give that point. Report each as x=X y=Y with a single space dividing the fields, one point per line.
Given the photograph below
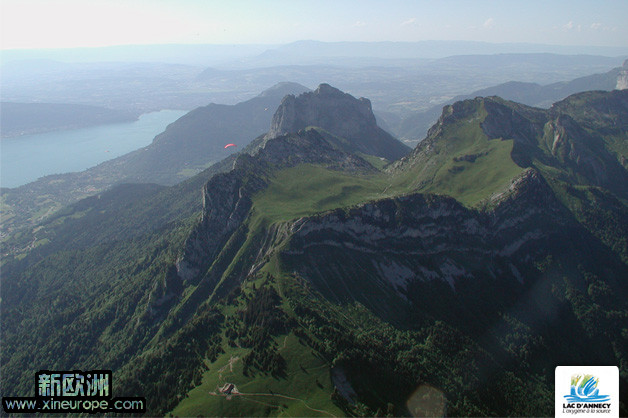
x=73 y=23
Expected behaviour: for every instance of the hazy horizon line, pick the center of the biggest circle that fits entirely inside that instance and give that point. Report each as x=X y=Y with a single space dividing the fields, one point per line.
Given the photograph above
x=232 y=44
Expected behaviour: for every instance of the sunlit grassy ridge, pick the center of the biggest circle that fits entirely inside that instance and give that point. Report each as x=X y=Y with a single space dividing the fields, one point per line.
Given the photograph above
x=308 y=189
x=468 y=166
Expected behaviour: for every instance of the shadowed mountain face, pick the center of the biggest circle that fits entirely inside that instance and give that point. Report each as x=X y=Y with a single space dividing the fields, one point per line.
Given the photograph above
x=491 y=253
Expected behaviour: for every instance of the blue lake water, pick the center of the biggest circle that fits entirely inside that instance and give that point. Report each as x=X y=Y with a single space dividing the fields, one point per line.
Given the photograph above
x=26 y=158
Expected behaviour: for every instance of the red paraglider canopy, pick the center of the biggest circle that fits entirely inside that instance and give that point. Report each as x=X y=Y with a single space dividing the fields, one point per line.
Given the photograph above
x=229 y=145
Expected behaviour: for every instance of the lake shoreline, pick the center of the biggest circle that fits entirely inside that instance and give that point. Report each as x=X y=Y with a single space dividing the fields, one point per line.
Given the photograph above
x=18 y=118
x=27 y=158
x=13 y=135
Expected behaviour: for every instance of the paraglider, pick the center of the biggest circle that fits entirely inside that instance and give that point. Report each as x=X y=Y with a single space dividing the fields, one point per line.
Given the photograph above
x=229 y=145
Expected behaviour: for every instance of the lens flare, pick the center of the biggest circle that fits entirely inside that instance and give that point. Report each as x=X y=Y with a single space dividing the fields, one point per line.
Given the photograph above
x=427 y=401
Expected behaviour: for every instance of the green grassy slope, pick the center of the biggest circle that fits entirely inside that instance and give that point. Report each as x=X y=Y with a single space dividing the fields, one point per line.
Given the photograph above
x=467 y=166
x=308 y=189
x=304 y=390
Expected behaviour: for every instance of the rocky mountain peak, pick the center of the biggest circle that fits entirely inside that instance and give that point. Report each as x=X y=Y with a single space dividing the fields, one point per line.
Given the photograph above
x=326 y=107
x=325 y=89
x=284 y=88
x=453 y=112
x=499 y=119
x=339 y=114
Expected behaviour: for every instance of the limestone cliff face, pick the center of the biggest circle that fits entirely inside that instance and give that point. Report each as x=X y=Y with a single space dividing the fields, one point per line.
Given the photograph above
x=309 y=147
x=577 y=134
x=227 y=197
x=622 y=79
x=523 y=124
x=327 y=107
x=341 y=115
x=379 y=251
x=572 y=146
x=226 y=203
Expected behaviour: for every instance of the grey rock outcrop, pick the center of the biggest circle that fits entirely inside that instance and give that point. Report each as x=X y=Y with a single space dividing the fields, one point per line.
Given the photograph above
x=622 y=79
x=341 y=115
x=309 y=147
x=419 y=237
x=226 y=203
x=327 y=107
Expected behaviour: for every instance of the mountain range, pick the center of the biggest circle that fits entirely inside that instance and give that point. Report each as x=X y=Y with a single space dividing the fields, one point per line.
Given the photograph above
x=196 y=141
x=211 y=55
x=326 y=269
x=413 y=127
x=397 y=77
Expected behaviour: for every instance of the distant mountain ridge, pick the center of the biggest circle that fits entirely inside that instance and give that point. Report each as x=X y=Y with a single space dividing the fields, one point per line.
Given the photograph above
x=309 y=51
x=536 y=95
x=198 y=138
x=415 y=126
x=209 y=54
